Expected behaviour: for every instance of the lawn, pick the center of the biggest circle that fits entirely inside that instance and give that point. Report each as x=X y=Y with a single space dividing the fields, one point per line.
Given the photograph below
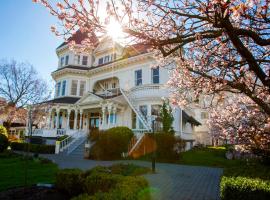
x=215 y=157
x=12 y=171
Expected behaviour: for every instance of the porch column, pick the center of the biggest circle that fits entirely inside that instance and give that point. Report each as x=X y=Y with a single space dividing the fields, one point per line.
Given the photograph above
x=81 y=115
x=50 y=119
x=114 y=115
x=68 y=118
x=75 y=119
x=103 y=115
x=109 y=112
x=57 y=118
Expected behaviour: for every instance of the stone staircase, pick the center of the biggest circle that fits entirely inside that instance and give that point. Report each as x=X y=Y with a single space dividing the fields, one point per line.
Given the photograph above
x=78 y=151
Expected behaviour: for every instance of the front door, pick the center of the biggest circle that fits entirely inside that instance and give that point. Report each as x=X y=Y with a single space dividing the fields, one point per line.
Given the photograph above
x=94 y=121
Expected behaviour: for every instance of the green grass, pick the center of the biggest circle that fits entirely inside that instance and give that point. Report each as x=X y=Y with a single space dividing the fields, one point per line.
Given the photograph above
x=12 y=171
x=215 y=157
x=210 y=156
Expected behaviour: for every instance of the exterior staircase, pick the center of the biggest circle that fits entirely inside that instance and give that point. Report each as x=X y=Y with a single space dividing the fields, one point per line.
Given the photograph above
x=143 y=145
x=78 y=151
x=136 y=110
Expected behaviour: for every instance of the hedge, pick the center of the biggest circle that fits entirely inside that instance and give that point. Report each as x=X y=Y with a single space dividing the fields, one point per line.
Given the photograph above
x=239 y=188
x=3 y=142
x=35 y=148
x=70 y=181
x=168 y=146
x=111 y=143
x=102 y=183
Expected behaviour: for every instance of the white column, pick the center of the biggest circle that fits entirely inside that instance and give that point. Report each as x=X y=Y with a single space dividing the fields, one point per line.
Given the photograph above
x=81 y=114
x=103 y=115
x=109 y=112
x=57 y=118
x=75 y=119
x=50 y=119
x=68 y=118
x=114 y=115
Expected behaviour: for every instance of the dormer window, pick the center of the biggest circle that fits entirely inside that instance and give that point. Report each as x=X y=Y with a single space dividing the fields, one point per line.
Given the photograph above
x=66 y=61
x=62 y=61
x=77 y=59
x=84 y=61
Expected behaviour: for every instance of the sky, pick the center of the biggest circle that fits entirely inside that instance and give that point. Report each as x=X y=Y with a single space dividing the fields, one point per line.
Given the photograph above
x=25 y=35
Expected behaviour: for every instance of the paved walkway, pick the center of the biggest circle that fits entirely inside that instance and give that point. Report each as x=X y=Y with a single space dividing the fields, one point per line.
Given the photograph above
x=171 y=182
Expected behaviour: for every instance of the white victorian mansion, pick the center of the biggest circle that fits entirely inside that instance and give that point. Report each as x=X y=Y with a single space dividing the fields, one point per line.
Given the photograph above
x=111 y=85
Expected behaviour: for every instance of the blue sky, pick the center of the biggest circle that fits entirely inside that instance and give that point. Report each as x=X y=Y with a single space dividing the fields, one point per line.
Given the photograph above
x=25 y=35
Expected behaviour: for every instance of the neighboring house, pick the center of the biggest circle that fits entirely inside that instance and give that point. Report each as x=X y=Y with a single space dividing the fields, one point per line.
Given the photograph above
x=13 y=119
x=108 y=86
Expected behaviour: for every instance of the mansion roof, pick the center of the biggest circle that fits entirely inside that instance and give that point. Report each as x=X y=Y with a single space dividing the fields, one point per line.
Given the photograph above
x=78 y=37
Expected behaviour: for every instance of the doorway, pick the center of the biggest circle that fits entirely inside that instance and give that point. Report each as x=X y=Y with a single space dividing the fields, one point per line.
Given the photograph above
x=94 y=121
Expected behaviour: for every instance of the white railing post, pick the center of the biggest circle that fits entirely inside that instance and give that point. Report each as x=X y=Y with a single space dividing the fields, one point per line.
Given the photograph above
x=57 y=147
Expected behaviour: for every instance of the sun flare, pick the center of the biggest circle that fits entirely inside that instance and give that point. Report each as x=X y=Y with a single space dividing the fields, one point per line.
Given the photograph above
x=114 y=30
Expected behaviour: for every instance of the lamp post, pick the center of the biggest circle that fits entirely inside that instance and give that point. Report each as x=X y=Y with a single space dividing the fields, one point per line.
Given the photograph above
x=154 y=149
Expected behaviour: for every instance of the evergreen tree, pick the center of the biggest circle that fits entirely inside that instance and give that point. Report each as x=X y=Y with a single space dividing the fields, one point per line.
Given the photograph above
x=166 y=117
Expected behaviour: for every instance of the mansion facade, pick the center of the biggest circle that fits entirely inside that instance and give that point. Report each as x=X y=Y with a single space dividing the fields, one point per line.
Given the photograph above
x=111 y=85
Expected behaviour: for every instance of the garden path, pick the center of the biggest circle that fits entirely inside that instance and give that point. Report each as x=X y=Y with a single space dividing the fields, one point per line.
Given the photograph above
x=171 y=182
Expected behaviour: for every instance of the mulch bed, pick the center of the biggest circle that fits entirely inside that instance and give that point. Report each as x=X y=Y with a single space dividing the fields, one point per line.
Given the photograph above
x=33 y=193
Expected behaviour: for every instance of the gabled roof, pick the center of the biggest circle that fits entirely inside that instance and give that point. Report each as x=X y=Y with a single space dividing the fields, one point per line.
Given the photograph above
x=64 y=100
x=72 y=67
x=78 y=37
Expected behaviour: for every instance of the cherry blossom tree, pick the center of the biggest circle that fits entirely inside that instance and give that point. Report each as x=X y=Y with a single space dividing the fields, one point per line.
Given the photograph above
x=240 y=121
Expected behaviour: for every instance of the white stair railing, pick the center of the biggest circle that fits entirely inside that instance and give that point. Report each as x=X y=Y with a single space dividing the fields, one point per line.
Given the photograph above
x=77 y=142
x=137 y=111
x=136 y=144
x=70 y=143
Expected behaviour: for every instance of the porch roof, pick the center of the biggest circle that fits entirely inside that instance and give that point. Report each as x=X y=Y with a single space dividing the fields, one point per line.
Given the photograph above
x=191 y=119
x=66 y=100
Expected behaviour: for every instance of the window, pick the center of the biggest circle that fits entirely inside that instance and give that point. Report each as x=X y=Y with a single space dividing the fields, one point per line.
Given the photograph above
x=100 y=61
x=143 y=110
x=155 y=110
x=110 y=118
x=74 y=87
x=82 y=87
x=155 y=75
x=106 y=85
x=84 y=60
x=138 y=77
x=106 y=59
x=62 y=61
x=64 y=87
x=77 y=59
x=113 y=85
x=58 y=89
x=66 y=61
x=204 y=115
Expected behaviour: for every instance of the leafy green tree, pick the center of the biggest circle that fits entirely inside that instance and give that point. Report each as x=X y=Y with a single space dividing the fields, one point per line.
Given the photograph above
x=3 y=131
x=166 y=117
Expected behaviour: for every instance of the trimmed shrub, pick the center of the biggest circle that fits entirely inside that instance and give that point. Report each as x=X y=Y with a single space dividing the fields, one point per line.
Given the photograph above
x=238 y=188
x=35 y=148
x=128 y=169
x=100 y=182
x=128 y=188
x=3 y=142
x=69 y=181
x=166 y=143
x=94 y=134
x=111 y=144
x=3 y=131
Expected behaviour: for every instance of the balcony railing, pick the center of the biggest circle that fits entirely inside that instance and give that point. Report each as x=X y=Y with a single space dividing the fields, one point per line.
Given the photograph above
x=148 y=91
